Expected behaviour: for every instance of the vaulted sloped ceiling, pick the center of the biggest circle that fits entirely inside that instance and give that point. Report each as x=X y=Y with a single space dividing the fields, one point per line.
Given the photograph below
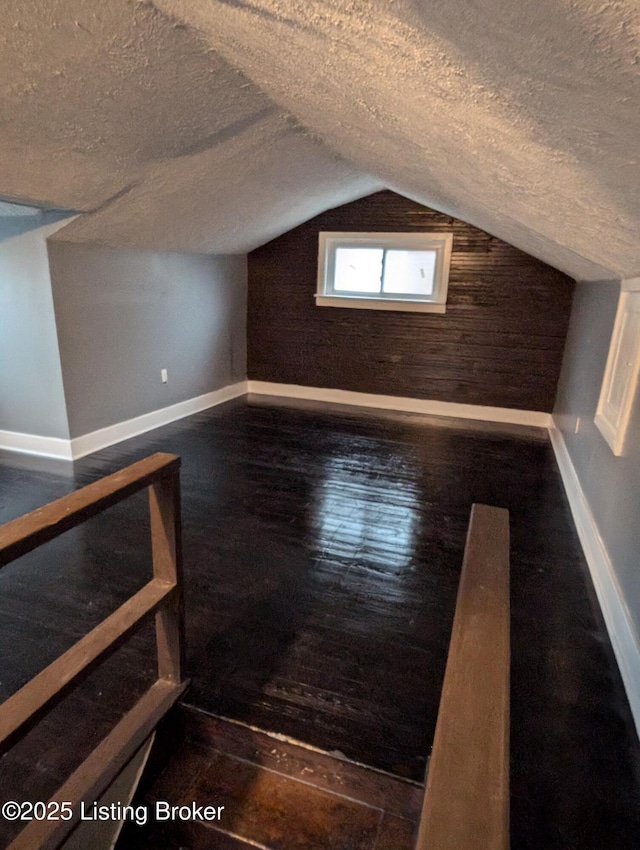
x=213 y=125
x=114 y=108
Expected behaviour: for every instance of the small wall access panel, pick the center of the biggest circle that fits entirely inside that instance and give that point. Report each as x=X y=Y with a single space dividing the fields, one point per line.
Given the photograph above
x=622 y=371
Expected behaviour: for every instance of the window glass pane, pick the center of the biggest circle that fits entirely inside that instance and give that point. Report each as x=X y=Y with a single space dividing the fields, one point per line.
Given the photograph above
x=409 y=272
x=358 y=270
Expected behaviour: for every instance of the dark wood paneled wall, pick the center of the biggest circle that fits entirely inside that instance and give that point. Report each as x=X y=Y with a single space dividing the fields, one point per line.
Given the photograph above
x=500 y=342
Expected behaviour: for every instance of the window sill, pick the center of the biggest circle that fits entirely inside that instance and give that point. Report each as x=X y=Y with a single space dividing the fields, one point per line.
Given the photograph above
x=349 y=302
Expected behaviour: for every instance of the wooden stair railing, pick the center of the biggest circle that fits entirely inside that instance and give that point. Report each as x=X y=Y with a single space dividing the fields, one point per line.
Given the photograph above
x=161 y=596
x=466 y=805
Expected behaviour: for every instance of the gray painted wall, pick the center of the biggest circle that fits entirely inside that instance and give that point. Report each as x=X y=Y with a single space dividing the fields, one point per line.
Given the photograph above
x=611 y=484
x=15 y=225
x=123 y=315
x=31 y=391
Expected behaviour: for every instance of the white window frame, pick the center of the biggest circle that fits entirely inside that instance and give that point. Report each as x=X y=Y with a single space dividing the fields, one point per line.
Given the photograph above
x=326 y=296
x=622 y=371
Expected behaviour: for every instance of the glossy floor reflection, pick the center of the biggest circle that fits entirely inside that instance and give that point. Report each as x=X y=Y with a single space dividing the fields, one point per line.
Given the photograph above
x=322 y=554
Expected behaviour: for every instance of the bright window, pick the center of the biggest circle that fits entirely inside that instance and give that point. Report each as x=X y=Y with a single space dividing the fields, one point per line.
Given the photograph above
x=384 y=271
x=620 y=382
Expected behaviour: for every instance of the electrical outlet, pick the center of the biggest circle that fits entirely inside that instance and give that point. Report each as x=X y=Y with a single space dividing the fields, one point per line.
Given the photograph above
x=164 y=376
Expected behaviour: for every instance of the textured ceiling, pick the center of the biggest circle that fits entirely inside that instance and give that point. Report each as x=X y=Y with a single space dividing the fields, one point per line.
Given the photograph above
x=257 y=181
x=213 y=125
x=115 y=108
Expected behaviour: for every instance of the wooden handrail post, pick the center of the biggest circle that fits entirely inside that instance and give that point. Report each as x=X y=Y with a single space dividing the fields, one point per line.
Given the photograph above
x=160 y=473
x=166 y=548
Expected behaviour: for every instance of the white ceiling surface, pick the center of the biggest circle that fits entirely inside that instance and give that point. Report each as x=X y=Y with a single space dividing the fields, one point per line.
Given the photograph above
x=115 y=108
x=214 y=125
x=229 y=198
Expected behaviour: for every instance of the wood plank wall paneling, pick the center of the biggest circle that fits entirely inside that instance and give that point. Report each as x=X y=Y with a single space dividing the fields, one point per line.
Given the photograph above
x=500 y=342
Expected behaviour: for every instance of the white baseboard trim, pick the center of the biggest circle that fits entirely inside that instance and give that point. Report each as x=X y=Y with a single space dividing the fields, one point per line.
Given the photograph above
x=430 y=407
x=33 y=444
x=101 y=439
x=109 y=436
x=96 y=440
x=622 y=633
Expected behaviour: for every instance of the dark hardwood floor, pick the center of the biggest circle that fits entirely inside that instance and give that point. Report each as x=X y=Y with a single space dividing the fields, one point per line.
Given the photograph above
x=322 y=551
x=276 y=795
